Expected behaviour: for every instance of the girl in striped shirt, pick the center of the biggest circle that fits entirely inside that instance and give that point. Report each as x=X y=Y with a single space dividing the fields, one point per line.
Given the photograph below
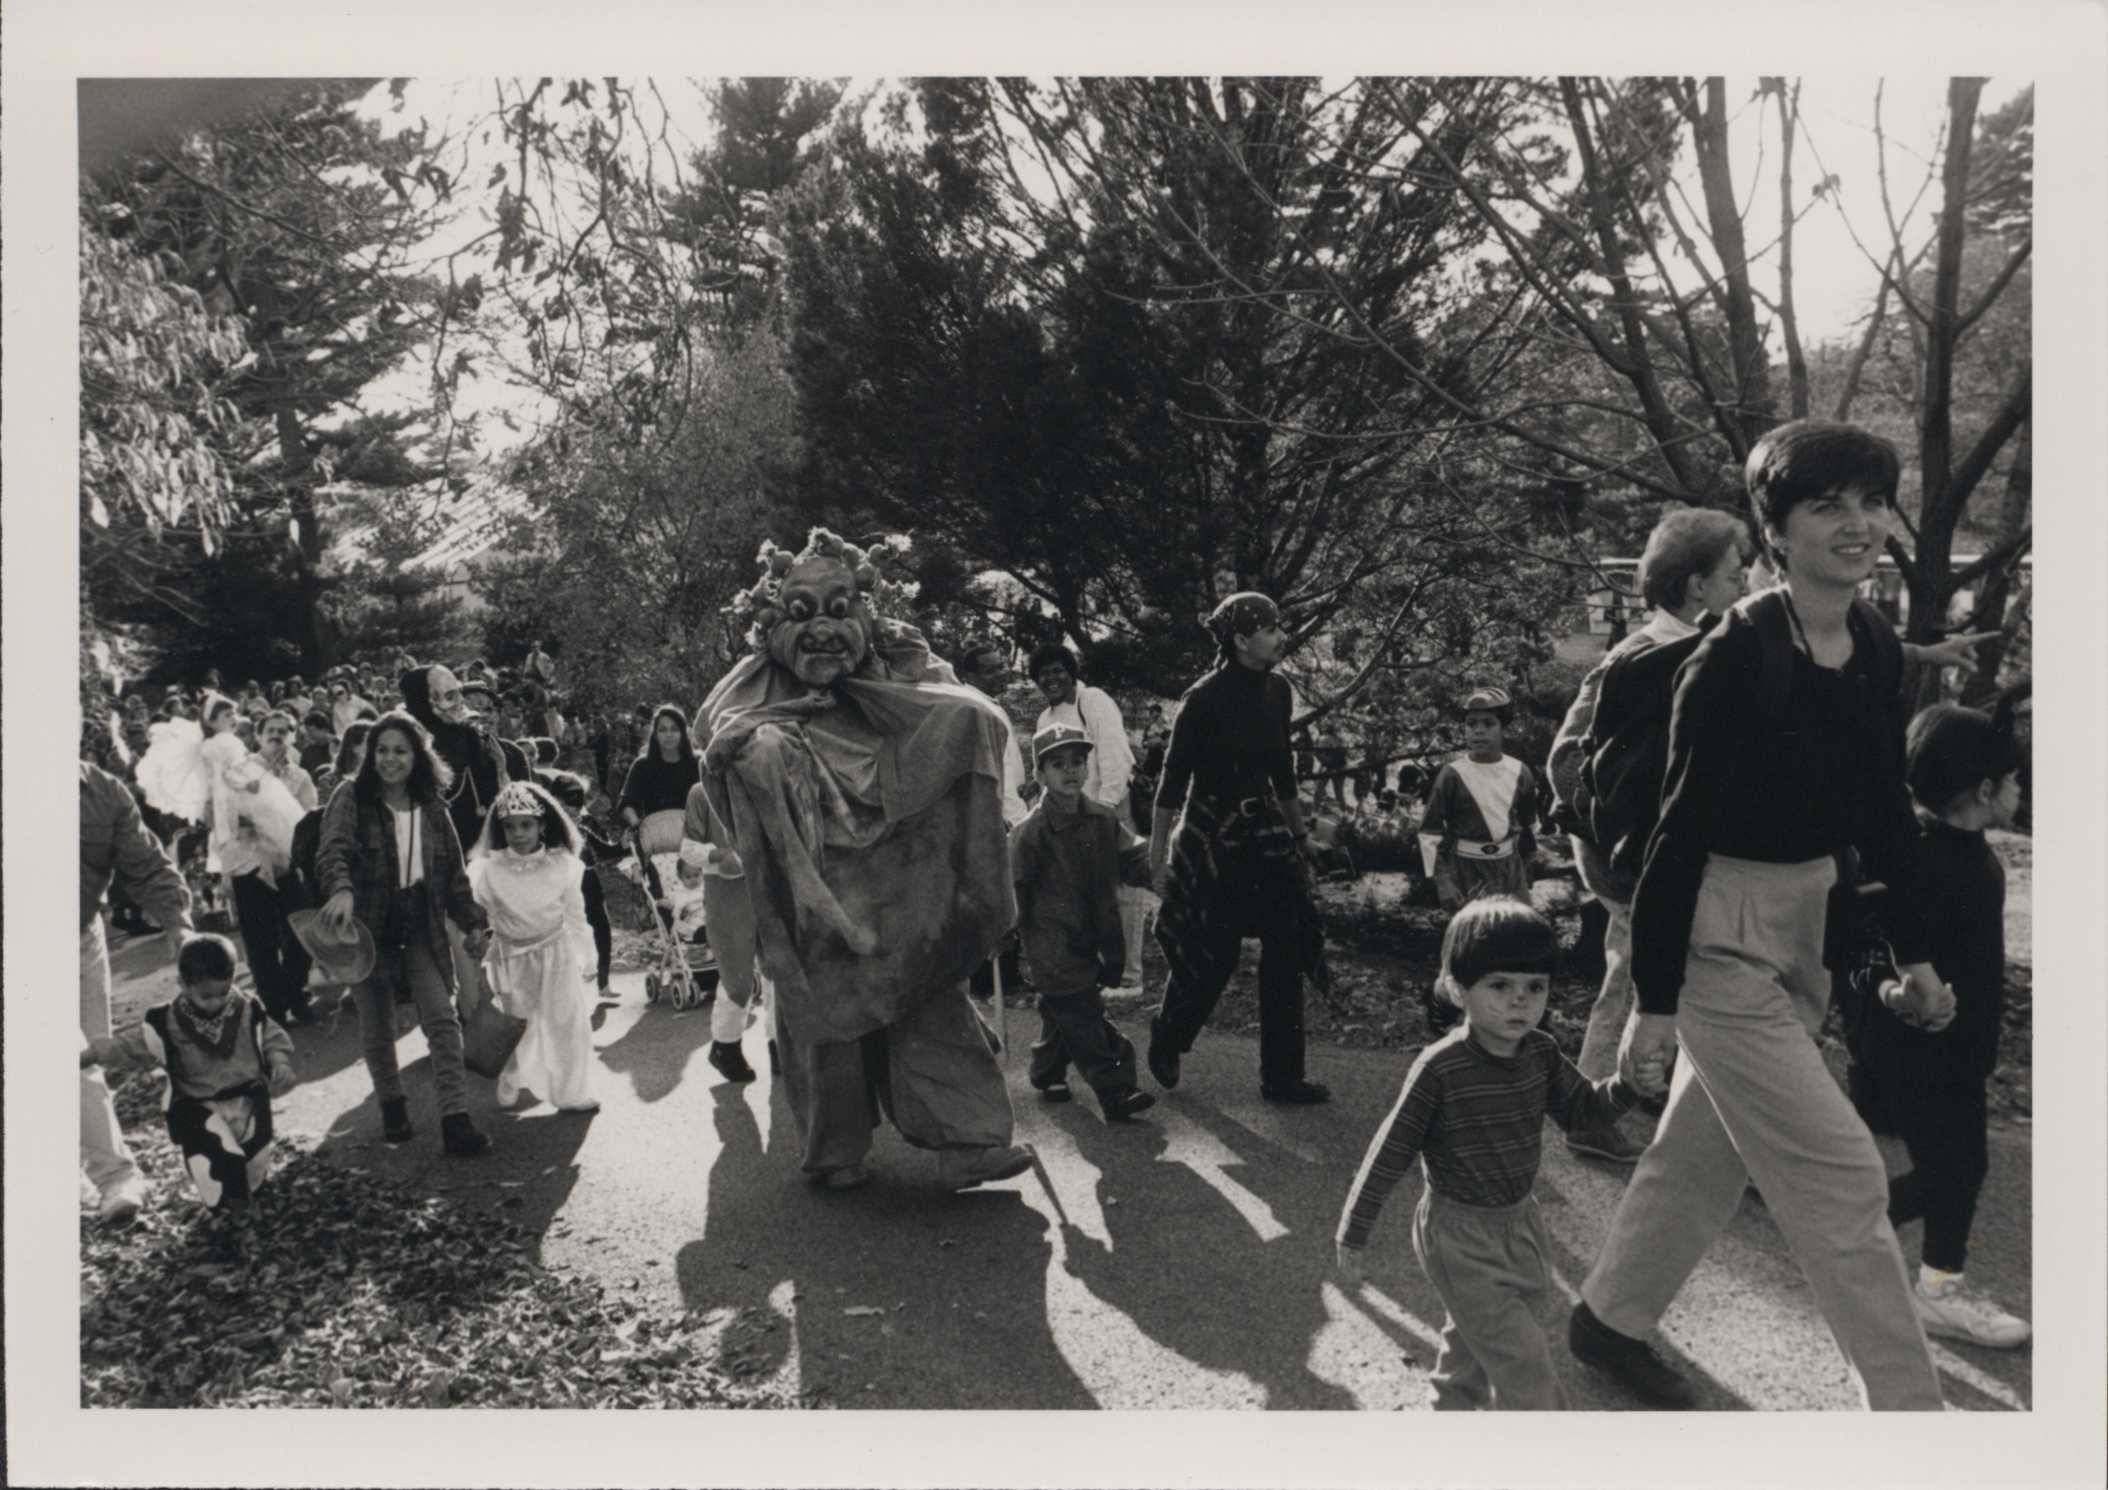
x=1471 y=1112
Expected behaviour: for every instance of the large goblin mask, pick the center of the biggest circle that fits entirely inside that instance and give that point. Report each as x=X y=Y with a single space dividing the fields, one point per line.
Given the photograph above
x=823 y=629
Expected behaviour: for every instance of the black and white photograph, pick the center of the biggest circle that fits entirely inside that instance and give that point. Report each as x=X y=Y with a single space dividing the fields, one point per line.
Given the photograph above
x=1345 y=737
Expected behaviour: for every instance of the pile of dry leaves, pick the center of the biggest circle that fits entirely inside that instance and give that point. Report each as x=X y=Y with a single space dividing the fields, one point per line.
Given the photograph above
x=344 y=1289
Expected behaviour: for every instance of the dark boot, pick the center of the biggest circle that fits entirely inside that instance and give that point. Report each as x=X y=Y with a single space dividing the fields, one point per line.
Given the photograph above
x=395 y=1120
x=1633 y=1364
x=730 y=1060
x=460 y=1137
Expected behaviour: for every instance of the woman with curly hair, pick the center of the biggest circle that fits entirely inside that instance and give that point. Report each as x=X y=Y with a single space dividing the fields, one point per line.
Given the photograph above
x=390 y=858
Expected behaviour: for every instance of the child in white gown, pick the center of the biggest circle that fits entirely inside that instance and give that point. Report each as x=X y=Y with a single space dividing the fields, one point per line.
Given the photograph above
x=525 y=872
x=208 y=776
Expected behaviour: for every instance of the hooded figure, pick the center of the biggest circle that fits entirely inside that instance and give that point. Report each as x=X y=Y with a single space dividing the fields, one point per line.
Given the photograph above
x=858 y=780
x=472 y=752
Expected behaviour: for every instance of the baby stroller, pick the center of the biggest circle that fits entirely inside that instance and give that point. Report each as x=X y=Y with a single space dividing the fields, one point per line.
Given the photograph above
x=686 y=972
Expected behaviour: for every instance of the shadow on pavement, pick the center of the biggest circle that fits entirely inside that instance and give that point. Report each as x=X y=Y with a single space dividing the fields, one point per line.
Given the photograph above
x=1192 y=1268
x=653 y=1052
x=898 y=1295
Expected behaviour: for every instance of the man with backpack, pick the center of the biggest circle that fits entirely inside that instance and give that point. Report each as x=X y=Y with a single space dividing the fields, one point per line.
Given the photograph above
x=1606 y=763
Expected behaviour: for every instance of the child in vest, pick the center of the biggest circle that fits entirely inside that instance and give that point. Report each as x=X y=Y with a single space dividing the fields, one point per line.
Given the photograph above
x=1925 y=1084
x=1471 y=1112
x=1475 y=833
x=225 y=1058
x=1069 y=857
x=525 y=872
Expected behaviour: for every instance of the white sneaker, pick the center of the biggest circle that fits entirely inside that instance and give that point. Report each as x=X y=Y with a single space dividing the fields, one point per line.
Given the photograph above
x=1960 y=1314
x=1124 y=992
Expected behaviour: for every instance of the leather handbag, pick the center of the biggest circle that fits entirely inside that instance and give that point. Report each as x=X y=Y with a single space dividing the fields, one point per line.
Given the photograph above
x=489 y=1036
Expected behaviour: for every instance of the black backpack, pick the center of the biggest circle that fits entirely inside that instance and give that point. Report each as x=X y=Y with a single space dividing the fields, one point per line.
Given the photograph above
x=1625 y=754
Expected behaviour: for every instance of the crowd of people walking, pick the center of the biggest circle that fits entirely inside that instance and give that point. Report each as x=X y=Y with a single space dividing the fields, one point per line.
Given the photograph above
x=1731 y=774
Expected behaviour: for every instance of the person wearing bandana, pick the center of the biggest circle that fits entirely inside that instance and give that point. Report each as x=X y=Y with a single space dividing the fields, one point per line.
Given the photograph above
x=1228 y=852
x=1475 y=835
x=464 y=740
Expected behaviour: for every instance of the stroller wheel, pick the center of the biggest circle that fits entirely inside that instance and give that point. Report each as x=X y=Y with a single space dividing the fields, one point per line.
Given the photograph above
x=651 y=988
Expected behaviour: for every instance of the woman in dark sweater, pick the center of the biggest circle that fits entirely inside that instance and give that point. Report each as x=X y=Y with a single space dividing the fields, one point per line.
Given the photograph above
x=1235 y=867
x=664 y=769
x=1727 y=933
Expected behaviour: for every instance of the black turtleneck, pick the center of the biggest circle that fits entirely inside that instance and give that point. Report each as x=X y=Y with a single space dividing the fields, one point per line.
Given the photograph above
x=1229 y=739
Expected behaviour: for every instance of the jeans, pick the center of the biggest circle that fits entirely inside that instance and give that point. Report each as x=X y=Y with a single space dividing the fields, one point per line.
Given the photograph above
x=414 y=967
x=1073 y=1030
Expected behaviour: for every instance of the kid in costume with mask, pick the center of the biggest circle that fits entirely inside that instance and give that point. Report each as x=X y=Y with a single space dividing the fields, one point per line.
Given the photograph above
x=226 y=1059
x=1475 y=835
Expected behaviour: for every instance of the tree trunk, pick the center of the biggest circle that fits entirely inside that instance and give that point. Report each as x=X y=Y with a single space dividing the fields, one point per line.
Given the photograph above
x=1754 y=412
x=1938 y=507
x=1789 y=323
x=1997 y=590
x=310 y=627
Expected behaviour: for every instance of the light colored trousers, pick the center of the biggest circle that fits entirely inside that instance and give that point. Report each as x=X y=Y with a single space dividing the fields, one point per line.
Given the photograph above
x=1613 y=1005
x=1137 y=909
x=1491 y=1266
x=107 y=1157
x=730 y=916
x=1752 y=1098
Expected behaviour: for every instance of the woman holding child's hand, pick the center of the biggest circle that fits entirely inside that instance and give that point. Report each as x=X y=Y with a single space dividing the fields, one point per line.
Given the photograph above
x=389 y=857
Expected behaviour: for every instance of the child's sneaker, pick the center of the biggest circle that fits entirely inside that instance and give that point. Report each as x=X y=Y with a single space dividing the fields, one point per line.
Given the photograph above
x=1958 y=1313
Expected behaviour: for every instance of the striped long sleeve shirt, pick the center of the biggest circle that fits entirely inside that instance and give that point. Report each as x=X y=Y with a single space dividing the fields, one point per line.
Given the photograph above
x=1475 y=1122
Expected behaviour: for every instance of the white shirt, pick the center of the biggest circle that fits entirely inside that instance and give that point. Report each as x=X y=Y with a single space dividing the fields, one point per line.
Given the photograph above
x=1014 y=809
x=1112 y=759
x=409 y=836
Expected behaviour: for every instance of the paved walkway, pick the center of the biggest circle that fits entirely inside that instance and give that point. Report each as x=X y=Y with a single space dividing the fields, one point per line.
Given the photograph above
x=1180 y=1261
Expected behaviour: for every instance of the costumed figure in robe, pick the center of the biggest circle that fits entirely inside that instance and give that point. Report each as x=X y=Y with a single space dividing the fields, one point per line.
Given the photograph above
x=1475 y=836
x=857 y=782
